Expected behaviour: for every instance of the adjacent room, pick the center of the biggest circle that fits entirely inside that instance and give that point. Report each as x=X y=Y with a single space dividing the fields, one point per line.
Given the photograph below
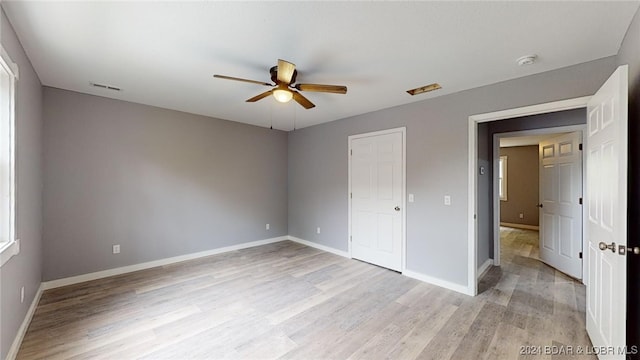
x=319 y=180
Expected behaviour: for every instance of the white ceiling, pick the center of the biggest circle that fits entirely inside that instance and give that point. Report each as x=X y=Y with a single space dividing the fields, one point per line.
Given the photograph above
x=165 y=53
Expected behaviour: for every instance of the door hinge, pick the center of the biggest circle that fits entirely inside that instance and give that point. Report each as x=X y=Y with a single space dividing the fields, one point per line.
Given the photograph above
x=580 y=201
x=580 y=255
x=351 y=151
x=350 y=238
x=351 y=195
x=580 y=147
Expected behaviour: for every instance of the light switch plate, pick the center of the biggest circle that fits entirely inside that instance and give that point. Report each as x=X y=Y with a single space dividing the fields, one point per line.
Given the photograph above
x=411 y=198
x=447 y=200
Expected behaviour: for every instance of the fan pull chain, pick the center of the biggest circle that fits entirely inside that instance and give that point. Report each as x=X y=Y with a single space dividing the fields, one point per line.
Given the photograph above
x=295 y=112
x=271 y=107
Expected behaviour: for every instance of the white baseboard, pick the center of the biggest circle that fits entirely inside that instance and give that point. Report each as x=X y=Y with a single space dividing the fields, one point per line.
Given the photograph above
x=319 y=247
x=484 y=268
x=22 y=330
x=151 y=264
x=438 y=282
x=408 y=273
x=520 y=226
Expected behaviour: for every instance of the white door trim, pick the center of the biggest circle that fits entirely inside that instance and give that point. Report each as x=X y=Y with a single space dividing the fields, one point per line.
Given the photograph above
x=474 y=120
x=496 y=157
x=403 y=221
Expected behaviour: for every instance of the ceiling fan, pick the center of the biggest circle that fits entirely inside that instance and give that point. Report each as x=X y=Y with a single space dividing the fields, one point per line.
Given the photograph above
x=284 y=77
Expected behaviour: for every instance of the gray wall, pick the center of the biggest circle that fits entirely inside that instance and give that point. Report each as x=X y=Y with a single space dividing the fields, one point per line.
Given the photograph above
x=160 y=183
x=630 y=54
x=23 y=269
x=522 y=185
x=437 y=162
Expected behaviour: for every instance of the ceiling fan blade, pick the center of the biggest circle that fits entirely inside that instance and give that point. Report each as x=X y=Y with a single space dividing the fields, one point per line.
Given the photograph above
x=285 y=71
x=243 y=80
x=336 y=89
x=302 y=100
x=260 y=96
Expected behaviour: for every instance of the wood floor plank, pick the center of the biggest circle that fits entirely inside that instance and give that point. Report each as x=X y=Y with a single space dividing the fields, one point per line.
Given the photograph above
x=506 y=342
x=351 y=341
x=448 y=339
x=481 y=332
x=414 y=342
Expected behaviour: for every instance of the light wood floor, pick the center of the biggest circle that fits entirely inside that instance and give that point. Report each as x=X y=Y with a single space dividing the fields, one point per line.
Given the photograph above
x=290 y=301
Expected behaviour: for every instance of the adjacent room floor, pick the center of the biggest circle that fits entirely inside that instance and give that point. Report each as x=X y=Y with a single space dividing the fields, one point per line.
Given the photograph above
x=286 y=300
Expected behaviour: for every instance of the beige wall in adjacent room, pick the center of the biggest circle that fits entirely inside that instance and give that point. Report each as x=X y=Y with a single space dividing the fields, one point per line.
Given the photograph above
x=522 y=185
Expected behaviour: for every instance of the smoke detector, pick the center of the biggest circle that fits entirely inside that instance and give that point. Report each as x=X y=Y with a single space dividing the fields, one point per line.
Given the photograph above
x=527 y=60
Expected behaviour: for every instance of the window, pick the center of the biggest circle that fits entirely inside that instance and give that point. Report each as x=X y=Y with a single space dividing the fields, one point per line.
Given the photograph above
x=8 y=76
x=502 y=178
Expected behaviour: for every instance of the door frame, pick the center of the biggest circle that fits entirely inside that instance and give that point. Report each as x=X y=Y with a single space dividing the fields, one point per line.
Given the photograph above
x=403 y=183
x=496 y=157
x=472 y=182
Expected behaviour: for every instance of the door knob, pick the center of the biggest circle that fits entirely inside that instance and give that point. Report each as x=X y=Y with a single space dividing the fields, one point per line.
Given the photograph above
x=539 y=205
x=603 y=246
x=622 y=250
x=397 y=208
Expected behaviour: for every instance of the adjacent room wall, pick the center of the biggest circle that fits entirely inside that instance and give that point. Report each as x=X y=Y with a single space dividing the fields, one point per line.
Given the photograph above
x=23 y=269
x=630 y=54
x=437 y=165
x=522 y=185
x=160 y=183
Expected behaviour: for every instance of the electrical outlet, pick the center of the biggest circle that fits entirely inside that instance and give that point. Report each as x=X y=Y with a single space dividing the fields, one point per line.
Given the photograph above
x=116 y=249
x=267 y=227
x=22 y=294
x=521 y=216
x=318 y=230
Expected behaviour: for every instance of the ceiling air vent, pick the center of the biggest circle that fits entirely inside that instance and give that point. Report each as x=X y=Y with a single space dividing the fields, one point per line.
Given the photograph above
x=107 y=87
x=424 y=89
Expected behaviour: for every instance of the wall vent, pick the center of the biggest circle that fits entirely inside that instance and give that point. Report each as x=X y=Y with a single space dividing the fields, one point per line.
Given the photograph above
x=107 y=87
x=424 y=89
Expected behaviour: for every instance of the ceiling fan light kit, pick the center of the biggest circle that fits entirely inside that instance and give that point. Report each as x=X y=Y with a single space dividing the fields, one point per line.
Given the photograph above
x=284 y=77
x=282 y=95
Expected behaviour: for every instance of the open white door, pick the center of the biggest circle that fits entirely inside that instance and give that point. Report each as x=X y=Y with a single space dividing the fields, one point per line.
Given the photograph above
x=561 y=203
x=377 y=187
x=606 y=229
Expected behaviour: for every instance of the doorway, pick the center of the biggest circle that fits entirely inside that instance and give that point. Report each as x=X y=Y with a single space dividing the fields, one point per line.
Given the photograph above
x=538 y=180
x=477 y=170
